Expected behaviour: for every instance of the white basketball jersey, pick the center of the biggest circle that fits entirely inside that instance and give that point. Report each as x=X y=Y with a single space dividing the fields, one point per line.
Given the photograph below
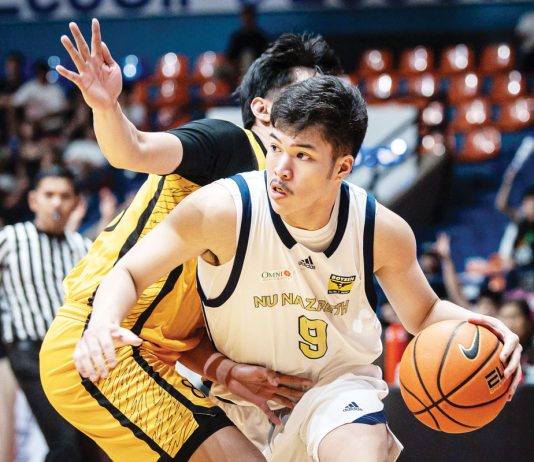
x=287 y=307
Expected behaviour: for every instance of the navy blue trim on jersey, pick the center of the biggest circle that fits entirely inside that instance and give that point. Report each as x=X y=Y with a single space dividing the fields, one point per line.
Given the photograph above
x=342 y=219
x=279 y=226
x=368 y=249
x=241 y=250
x=372 y=419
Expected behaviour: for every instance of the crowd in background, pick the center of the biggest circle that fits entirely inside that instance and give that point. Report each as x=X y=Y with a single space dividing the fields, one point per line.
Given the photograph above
x=42 y=124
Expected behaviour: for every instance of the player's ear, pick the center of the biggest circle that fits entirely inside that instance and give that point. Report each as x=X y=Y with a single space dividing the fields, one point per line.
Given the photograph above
x=261 y=108
x=345 y=164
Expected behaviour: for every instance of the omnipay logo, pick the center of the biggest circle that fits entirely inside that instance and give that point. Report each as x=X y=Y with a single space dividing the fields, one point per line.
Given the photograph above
x=276 y=275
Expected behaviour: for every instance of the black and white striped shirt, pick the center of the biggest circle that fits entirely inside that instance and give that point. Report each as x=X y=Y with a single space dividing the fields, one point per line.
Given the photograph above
x=33 y=265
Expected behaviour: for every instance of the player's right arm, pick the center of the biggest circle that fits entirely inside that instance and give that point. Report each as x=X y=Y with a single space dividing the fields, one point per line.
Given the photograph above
x=202 y=224
x=100 y=81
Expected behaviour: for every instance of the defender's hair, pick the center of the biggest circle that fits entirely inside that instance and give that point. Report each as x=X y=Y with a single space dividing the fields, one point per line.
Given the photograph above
x=273 y=70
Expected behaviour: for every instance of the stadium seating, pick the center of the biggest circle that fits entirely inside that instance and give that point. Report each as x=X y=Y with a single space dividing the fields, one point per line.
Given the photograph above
x=374 y=62
x=172 y=66
x=416 y=60
x=497 y=57
x=515 y=114
x=471 y=114
x=380 y=87
x=463 y=87
x=456 y=59
x=480 y=145
x=206 y=65
x=507 y=85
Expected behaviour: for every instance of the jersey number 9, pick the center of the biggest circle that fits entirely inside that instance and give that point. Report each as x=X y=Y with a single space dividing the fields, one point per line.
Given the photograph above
x=313 y=332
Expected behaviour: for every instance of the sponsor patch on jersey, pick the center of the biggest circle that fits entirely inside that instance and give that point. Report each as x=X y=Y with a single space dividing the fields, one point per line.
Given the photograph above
x=340 y=284
x=276 y=275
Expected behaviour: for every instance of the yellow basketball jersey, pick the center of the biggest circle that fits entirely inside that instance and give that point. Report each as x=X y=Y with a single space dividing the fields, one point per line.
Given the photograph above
x=167 y=315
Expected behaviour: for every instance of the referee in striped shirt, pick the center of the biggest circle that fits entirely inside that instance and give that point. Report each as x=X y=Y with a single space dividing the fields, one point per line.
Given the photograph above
x=34 y=259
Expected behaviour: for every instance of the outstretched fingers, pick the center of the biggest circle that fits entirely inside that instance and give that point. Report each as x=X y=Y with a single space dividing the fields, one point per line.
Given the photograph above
x=83 y=48
x=96 y=38
x=72 y=76
x=73 y=53
x=106 y=55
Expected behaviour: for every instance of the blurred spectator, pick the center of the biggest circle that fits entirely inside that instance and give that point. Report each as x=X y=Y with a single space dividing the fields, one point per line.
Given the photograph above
x=133 y=110
x=395 y=341
x=429 y=260
x=245 y=45
x=93 y=172
x=524 y=31
x=517 y=315
x=517 y=245
x=43 y=102
x=487 y=302
x=13 y=73
x=31 y=289
x=452 y=286
x=78 y=116
x=83 y=155
x=108 y=208
x=13 y=79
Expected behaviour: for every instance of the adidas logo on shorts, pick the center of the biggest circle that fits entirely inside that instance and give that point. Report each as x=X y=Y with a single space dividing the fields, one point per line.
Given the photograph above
x=352 y=407
x=307 y=262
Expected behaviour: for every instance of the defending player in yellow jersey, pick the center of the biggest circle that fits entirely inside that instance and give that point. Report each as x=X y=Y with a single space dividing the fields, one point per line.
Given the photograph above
x=144 y=410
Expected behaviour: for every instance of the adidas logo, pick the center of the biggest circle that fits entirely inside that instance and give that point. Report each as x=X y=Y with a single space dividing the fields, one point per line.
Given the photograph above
x=307 y=262
x=352 y=407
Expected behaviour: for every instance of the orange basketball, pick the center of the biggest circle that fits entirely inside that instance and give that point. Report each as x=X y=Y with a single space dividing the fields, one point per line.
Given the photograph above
x=451 y=376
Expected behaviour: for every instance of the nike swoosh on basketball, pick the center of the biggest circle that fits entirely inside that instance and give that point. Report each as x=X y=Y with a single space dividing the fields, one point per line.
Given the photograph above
x=472 y=352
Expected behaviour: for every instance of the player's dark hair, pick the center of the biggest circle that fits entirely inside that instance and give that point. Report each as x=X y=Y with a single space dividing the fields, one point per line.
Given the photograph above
x=274 y=69
x=56 y=171
x=328 y=103
x=528 y=193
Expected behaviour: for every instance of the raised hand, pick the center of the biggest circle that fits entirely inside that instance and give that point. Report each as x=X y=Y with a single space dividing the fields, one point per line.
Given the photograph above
x=443 y=245
x=99 y=76
x=94 y=355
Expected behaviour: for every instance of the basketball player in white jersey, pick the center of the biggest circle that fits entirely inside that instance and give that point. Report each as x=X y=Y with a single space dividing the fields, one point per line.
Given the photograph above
x=286 y=260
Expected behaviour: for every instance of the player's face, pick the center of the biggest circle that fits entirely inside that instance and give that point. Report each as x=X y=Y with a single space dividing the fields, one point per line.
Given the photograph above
x=303 y=177
x=52 y=202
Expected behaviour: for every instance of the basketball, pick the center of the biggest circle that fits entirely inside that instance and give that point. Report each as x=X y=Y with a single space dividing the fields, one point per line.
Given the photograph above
x=451 y=377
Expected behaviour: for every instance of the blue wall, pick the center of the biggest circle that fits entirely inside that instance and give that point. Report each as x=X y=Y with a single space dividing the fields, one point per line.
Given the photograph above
x=193 y=34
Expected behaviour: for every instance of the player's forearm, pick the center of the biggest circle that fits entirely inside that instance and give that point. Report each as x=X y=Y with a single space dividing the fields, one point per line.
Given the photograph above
x=206 y=361
x=443 y=310
x=114 y=298
x=117 y=137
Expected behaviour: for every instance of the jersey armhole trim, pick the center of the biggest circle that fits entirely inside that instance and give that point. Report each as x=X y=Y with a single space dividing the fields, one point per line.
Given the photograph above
x=368 y=250
x=242 y=243
x=342 y=220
